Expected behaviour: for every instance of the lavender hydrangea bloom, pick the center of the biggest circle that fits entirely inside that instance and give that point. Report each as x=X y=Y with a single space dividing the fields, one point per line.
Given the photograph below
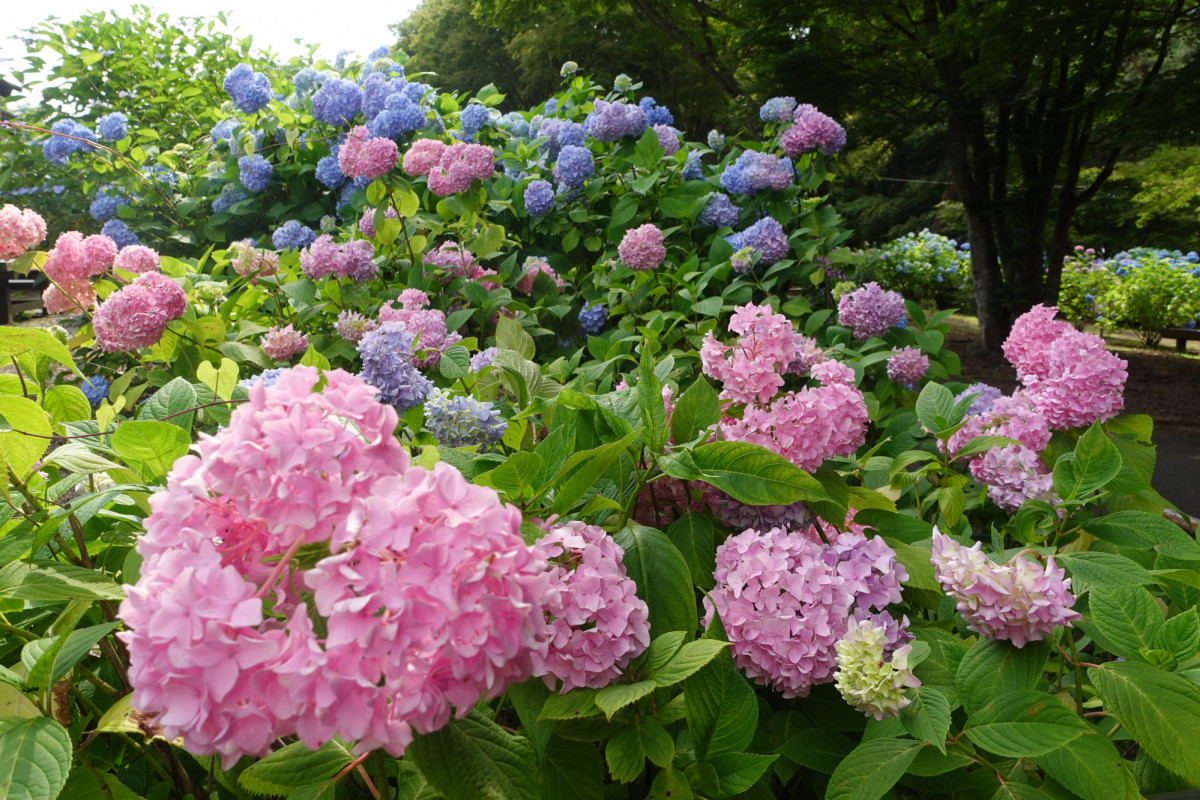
x=473 y=118
x=870 y=310
x=813 y=130
x=753 y=172
x=119 y=232
x=766 y=237
x=112 y=127
x=777 y=109
x=376 y=89
x=988 y=395
x=329 y=173
x=539 y=198
x=609 y=122
x=250 y=90
x=550 y=107
x=483 y=358
x=95 y=389
x=337 y=102
x=291 y=235
x=592 y=318
x=387 y=358
x=718 y=212
x=254 y=172
x=655 y=114
x=461 y=421
x=574 y=166
x=267 y=377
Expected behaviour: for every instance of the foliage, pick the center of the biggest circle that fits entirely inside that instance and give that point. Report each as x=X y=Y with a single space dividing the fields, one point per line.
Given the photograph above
x=611 y=421
x=921 y=266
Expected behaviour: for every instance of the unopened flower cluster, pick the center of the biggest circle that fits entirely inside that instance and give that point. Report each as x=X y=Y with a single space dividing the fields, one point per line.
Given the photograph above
x=866 y=677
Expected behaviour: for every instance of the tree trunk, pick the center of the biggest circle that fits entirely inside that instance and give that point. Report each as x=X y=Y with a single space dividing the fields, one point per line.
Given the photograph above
x=985 y=275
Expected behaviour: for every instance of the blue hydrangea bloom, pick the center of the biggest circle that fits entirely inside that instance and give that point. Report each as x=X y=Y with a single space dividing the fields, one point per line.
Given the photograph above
x=753 y=172
x=777 y=109
x=655 y=114
x=766 y=237
x=718 y=212
x=380 y=52
x=1192 y=257
x=592 y=318
x=57 y=150
x=574 y=166
x=336 y=102
x=112 y=127
x=716 y=140
x=514 y=124
x=223 y=131
x=119 y=232
x=95 y=389
x=104 y=205
x=570 y=133
x=539 y=198
x=266 y=378
x=162 y=174
x=473 y=118
x=462 y=421
x=229 y=196
x=611 y=121
x=328 y=172
x=417 y=91
x=254 y=172
x=550 y=107
x=81 y=132
x=400 y=115
x=306 y=80
x=376 y=89
x=250 y=90
x=387 y=358
x=691 y=167
x=291 y=235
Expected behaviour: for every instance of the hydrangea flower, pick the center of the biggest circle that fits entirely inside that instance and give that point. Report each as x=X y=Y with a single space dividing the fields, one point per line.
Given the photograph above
x=248 y=260
x=574 y=166
x=741 y=516
x=20 y=230
x=812 y=131
x=668 y=139
x=592 y=318
x=1019 y=601
x=655 y=114
x=473 y=118
x=250 y=90
x=1013 y=474
x=337 y=102
x=866 y=678
x=568 y=69
x=424 y=155
x=329 y=173
x=1086 y=383
x=765 y=237
x=254 y=172
x=459 y=263
x=870 y=311
x=539 y=198
x=104 y=205
x=1028 y=343
x=641 y=248
x=716 y=140
x=1015 y=417
x=461 y=163
x=119 y=233
x=352 y=326
x=95 y=389
x=483 y=358
x=532 y=268
x=718 y=212
x=387 y=359
x=462 y=421
x=366 y=223
x=307 y=79
x=692 y=168
x=622 y=83
x=360 y=157
x=988 y=395
x=351 y=260
x=777 y=109
x=69 y=295
x=601 y=624
x=136 y=259
x=282 y=343
x=76 y=257
x=753 y=172
x=291 y=235
x=112 y=126
x=907 y=365
x=137 y=315
x=427 y=324
x=609 y=122
x=752 y=369
x=230 y=195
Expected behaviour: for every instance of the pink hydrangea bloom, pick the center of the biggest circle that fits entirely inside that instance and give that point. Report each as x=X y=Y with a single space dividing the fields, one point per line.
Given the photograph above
x=69 y=295
x=427 y=324
x=668 y=139
x=20 y=230
x=642 y=248
x=907 y=365
x=461 y=163
x=1013 y=474
x=1015 y=417
x=752 y=369
x=533 y=268
x=424 y=155
x=281 y=343
x=1020 y=601
x=812 y=130
x=1085 y=384
x=137 y=315
x=353 y=260
x=366 y=224
x=1027 y=344
x=363 y=157
x=248 y=260
x=601 y=624
x=870 y=311
x=75 y=257
x=428 y=599
x=460 y=263
x=352 y=326
x=136 y=258
x=785 y=600
x=413 y=299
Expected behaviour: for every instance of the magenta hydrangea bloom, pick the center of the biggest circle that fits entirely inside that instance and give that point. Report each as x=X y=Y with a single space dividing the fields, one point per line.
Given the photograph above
x=534 y=267
x=428 y=599
x=870 y=311
x=907 y=365
x=1027 y=344
x=362 y=157
x=137 y=258
x=601 y=623
x=424 y=155
x=137 y=315
x=785 y=600
x=20 y=230
x=1020 y=601
x=642 y=248
x=812 y=131
x=281 y=343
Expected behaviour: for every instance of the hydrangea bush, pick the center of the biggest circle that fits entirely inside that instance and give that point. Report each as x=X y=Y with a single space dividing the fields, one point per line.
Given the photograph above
x=527 y=456
x=922 y=266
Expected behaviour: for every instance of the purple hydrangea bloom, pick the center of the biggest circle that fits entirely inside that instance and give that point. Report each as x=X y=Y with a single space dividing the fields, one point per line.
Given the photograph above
x=254 y=172
x=988 y=395
x=473 y=118
x=267 y=377
x=813 y=130
x=329 y=173
x=539 y=198
x=291 y=235
x=112 y=127
x=907 y=365
x=387 y=358
x=718 y=212
x=766 y=237
x=574 y=166
x=119 y=232
x=461 y=421
x=376 y=89
x=250 y=90
x=337 y=102
x=592 y=318
x=870 y=311
x=612 y=121
x=692 y=168
x=483 y=358
x=753 y=172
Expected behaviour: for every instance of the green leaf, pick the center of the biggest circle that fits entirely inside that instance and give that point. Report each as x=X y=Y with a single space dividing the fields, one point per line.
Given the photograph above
x=22 y=446
x=35 y=758
x=661 y=650
x=474 y=757
x=48 y=664
x=1023 y=724
x=992 y=667
x=1090 y=766
x=172 y=400
x=642 y=738
x=15 y=341
x=1144 y=531
x=698 y=409
x=1126 y=619
x=152 y=447
x=614 y=697
x=295 y=766
x=588 y=466
x=571 y=771
x=648 y=152
x=951 y=504
x=455 y=363
x=872 y=768
x=927 y=717
x=687 y=661
x=575 y=704
x=693 y=533
x=661 y=574
x=311 y=358
x=1160 y=710
x=221 y=380
x=511 y=335
x=1179 y=635
x=722 y=712
x=670 y=784
x=748 y=472
x=1109 y=570
x=1097 y=460
x=66 y=403
x=935 y=401
x=49 y=581
x=819 y=749
x=737 y=772
x=1019 y=791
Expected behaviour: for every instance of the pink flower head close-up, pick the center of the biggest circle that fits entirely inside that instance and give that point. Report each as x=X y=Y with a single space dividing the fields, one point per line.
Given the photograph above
x=642 y=248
